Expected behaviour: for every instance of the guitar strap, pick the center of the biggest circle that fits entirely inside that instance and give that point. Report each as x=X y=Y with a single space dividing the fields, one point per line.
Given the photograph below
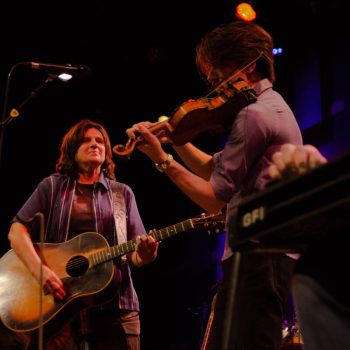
x=119 y=212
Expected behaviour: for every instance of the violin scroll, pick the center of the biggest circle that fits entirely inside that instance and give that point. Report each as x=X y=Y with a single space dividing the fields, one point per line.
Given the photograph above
x=125 y=151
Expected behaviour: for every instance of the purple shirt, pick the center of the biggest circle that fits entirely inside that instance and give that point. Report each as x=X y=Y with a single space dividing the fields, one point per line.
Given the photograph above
x=257 y=132
x=53 y=198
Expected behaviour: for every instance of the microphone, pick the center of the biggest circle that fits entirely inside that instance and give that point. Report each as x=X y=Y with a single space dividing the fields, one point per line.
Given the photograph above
x=50 y=67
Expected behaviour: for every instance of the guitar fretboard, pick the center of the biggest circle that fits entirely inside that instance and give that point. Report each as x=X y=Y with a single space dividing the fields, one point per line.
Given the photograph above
x=110 y=253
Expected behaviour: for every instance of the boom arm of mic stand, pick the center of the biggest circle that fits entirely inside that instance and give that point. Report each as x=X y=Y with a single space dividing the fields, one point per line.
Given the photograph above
x=15 y=112
x=4 y=109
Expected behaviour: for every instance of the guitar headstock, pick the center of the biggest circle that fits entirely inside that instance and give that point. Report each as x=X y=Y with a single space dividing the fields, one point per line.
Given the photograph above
x=212 y=223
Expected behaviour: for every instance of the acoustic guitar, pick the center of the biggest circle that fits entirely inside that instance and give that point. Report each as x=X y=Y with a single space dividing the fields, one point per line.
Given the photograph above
x=84 y=264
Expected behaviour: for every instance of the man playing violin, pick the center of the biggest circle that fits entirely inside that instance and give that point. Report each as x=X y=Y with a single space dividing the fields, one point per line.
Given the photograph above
x=237 y=50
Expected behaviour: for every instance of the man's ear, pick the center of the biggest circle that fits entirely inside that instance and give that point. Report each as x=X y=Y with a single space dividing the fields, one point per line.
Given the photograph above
x=250 y=69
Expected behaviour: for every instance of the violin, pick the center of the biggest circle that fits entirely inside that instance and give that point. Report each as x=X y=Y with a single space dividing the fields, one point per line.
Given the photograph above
x=214 y=114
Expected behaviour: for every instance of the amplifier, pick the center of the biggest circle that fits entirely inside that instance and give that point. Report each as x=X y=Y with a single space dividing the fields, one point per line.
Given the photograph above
x=291 y=214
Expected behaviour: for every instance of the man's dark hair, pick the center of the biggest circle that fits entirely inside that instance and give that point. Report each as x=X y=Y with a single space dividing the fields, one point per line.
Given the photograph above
x=237 y=44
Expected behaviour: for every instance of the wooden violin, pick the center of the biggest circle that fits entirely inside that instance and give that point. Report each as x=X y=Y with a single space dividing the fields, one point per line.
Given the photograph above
x=214 y=114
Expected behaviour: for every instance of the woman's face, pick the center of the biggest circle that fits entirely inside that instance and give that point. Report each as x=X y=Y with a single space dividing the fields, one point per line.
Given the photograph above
x=92 y=151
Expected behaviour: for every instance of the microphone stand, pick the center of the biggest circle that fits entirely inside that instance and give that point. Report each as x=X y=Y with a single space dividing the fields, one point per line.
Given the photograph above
x=15 y=112
x=41 y=255
x=41 y=218
x=4 y=119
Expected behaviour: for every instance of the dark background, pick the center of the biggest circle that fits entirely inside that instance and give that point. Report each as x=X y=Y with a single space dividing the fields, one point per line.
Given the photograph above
x=142 y=60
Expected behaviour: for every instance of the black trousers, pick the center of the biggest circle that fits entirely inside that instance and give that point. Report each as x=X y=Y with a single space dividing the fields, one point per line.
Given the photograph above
x=259 y=306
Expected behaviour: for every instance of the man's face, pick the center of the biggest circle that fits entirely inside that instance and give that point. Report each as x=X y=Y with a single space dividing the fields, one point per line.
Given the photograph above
x=216 y=75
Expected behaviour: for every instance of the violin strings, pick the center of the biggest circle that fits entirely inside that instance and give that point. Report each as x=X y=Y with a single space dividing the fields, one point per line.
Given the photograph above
x=234 y=75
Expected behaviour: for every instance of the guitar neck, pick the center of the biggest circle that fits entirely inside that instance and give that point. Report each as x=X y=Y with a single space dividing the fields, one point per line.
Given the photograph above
x=121 y=249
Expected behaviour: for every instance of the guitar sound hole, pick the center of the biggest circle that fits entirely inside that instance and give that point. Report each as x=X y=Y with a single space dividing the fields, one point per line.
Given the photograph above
x=77 y=266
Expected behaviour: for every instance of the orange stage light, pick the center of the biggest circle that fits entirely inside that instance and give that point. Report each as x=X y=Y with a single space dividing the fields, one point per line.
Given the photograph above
x=245 y=12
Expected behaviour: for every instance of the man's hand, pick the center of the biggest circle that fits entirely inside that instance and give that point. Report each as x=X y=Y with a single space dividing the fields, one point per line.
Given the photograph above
x=151 y=144
x=292 y=160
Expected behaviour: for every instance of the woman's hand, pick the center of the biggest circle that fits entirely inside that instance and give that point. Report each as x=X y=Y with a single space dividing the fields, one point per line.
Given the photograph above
x=146 y=250
x=51 y=283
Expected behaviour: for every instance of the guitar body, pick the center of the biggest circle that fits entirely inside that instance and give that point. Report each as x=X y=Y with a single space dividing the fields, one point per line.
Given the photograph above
x=20 y=291
x=85 y=266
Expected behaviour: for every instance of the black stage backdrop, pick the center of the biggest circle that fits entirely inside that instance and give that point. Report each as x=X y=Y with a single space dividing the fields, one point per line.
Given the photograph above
x=142 y=62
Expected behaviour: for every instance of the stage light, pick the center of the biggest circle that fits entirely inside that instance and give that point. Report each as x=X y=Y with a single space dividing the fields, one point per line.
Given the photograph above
x=277 y=51
x=245 y=12
x=65 y=76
